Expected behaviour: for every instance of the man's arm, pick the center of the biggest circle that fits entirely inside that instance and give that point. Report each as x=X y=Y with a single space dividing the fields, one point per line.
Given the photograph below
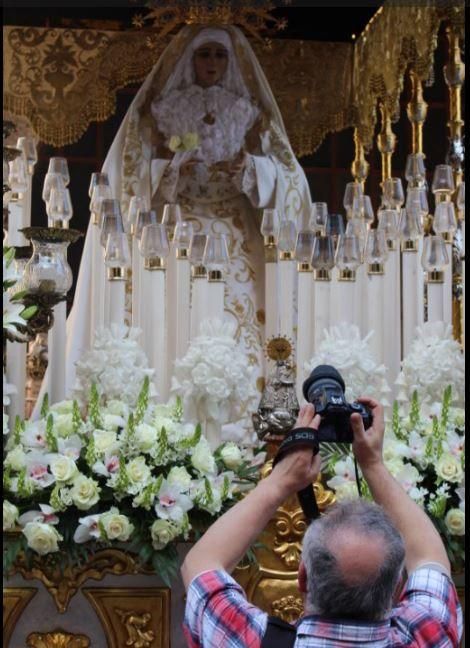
x=227 y=540
x=422 y=541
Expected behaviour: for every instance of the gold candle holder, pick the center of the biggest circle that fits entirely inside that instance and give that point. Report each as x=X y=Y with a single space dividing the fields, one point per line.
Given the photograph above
x=154 y=263
x=345 y=274
x=448 y=237
x=60 y=224
x=410 y=245
x=198 y=272
x=436 y=277
x=375 y=269
x=182 y=253
x=270 y=241
x=95 y=219
x=304 y=267
x=322 y=275
x=117 y=274
x=391 y=244
x=215 y=276
x=286 y=256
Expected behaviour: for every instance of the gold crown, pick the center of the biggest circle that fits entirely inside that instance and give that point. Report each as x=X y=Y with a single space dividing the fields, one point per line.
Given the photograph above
x=279 y=348
x=254 y=18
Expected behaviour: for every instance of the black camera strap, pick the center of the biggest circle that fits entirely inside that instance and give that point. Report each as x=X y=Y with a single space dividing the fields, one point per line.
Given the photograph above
x=302 y=438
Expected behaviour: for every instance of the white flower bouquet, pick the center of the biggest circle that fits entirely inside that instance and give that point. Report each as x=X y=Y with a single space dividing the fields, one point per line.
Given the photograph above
x=183 y=143
x=78 y=480
x=425 y=453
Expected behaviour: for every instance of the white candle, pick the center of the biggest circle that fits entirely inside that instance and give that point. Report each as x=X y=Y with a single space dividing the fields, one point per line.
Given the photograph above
x=271 y=300
x=436 y=301
x=214 y=301
x=304 y=345
x=322 y=310
x=412 y=296
x=198 y=304
x=16 y=375
x=171 y=311
x=183 y=289
x=115 y=297
x=17 y=219
x=343 y=302
x=447 y=292
x=392 y=316
x=97 y=285
x=154 y=326
x=56 y=354
x=374 y=314
x=286 y=277
x=136 y=281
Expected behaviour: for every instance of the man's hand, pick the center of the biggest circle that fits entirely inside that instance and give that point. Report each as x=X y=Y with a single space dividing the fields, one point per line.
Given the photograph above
x=367 y=445
x=300 y=467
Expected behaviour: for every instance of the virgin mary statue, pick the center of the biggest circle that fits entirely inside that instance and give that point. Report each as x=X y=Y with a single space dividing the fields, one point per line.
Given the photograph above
x=204 y=131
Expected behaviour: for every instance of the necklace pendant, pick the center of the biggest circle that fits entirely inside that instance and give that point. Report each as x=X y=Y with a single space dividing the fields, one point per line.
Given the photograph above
x=209 y=119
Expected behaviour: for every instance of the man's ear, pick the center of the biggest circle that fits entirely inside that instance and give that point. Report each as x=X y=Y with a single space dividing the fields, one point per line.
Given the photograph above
x=302 y=578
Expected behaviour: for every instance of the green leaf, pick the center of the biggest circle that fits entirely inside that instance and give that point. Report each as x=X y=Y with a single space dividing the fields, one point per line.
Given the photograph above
x=414 y=411
x=50 y=436
x=142 y=401
x=94 y=407
x=17 y=430
x=76 y=418
x=45 y=405
x=28 y=312
x=178 y=409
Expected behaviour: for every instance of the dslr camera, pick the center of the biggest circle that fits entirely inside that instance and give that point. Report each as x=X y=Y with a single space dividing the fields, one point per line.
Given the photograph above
x=324 y=388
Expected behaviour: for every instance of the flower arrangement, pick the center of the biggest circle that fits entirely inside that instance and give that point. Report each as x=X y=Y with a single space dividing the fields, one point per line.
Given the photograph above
x=215 y=379
x=435 y=359
x=76 y=481
x=425 y=454
x=183 y=143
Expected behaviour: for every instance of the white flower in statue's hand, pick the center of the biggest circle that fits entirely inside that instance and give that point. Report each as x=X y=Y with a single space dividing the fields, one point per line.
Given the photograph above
x=46 y=514
x=42 y=538
x=115 y=525
x=180 y=478
x=449 y=468
x=455 y=521
x=163 y=532
x=16 y=458
x=172 y=504
x=85 y=492
x=202 y=458
x=10 y=515
x=231 y=455
x=62 y=467
x=87 y=529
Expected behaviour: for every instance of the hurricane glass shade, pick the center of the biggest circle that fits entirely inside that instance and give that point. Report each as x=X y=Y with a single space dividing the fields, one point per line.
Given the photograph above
x=304 y=220
x=97 y=179
x=461 y=198
x=52 y=181
x=393 y=196
x=319 y=216
x=270 y=223
x=154 y=241
x=59 y=206
x=444 y=218
x=388 y=222
x=117 y=254
x=48 y=271
x=323 y=253
x=443 y=179
x=59 y=165
x=287 y=236
x=376 y=251
x=183 y=234
x=348 y=252
x=415 y=171
x=352 y=194
x=418 y=197
x=110 y=219
x=196 y=249
x=434 y=257
x=409 y=225
x=28 y=146
x=144 y=218
x=357 y=227
x=304 y=246
x=216 y=252
x=19 y=265
x=136 y=204
x=100 y=192
x=334 y=225
x=17 y=175
x=171 y=217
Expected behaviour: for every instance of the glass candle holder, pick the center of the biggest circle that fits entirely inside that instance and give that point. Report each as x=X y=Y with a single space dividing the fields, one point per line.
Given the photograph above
x=415 y=171
x=110 y=219
x=443 y=180
x=348 y=256
x=334 y=225
x=48 y=271
x=388 y=222
x=154 y=246
x=353 y=193
x=445 y=221
x=196 y=254
x=357 y=227
x=287 y=239
x=303 y=250
x=409 y=228
x=170 y=218
x=28 y=147
x=216 y=256
x=100 y=192
x=59 y=165
x=136 y=204
x=323 y=257
x=376 y=251
x=393 y=195
x=117 y=253
x=59 y=208
x=144 y=218
x=270 y=227
x=435 y=257
x=17 y=176
x=418 y=197
x=97 y=179
x=182 y=239
x=318 y=217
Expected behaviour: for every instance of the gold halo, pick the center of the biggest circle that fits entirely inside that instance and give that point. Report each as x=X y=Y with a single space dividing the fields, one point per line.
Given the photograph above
x=279 y=348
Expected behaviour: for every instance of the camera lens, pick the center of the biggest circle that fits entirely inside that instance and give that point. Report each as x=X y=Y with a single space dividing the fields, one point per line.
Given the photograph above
x=322 y=379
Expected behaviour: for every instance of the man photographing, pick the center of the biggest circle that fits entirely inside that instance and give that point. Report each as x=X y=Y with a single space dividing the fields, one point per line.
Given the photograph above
x=351 y=565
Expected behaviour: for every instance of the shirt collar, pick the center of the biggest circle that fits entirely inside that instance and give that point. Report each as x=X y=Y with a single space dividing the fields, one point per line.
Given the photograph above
x=344 y=629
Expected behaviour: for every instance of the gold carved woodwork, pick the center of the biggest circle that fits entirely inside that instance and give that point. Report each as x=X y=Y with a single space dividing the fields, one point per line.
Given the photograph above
x=133 y=617
x=416 y=110
x=386 y=141
x=63 y=585
x=360 y=166
x=15 y=600
x=57 y=639
x=288 y=608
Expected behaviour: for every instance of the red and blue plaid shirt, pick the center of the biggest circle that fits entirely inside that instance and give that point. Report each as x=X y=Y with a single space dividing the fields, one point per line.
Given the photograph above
x=427 y=615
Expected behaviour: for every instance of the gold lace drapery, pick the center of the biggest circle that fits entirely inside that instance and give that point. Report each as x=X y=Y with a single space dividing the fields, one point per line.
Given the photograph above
x=61 y=80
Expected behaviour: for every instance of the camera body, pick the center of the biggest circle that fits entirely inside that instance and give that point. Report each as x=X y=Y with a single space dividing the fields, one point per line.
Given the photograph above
x=324 y=388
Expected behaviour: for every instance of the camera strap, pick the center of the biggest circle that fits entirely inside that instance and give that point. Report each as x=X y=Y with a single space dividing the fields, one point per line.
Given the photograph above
x=302 y=438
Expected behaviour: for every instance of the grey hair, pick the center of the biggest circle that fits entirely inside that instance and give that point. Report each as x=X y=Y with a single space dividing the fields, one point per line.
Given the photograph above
x=328 y=591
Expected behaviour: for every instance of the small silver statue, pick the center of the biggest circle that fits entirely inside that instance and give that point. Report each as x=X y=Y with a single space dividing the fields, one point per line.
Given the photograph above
x=278 y=408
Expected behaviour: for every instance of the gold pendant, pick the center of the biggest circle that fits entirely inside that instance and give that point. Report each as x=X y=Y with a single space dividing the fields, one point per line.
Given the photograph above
x=209 y=119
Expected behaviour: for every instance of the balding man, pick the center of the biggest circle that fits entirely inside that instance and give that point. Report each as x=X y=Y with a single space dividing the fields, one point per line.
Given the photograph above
x=353 y=561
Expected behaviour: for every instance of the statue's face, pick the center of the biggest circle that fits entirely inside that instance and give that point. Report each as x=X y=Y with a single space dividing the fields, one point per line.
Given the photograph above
x=210 y=63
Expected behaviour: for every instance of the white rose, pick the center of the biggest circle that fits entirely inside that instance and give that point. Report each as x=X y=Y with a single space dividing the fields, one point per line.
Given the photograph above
x=179 y=476
x=63 y=407
x=10 y=515
x=231 y=455
x=449 y=468
x=42 y=538
x=145 y=436
x=63 y=468
x=84 y=492
x=63 y=425
x=138 y=471
x=113 y=421
x=455 y=521
x=116 y=526
x=118 y=408
x=105 y=440
x=163 y=532
x=202 y=457
x=16 y=458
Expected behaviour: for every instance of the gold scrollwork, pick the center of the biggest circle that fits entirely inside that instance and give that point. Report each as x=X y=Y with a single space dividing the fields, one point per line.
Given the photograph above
x=289 y=528
x=288 y=608
x=57 y=639
x=15 y=599
x=136 y=624
x=63 y=585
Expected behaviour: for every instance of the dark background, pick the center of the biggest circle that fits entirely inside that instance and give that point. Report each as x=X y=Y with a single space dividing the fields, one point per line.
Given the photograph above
x=327 y=170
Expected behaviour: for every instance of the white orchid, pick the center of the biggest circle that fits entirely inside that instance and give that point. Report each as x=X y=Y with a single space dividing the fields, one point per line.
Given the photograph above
x=172 y=504
x=46 y=514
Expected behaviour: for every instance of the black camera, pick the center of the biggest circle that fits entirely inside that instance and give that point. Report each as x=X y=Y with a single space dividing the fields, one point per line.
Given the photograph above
x=324 y=388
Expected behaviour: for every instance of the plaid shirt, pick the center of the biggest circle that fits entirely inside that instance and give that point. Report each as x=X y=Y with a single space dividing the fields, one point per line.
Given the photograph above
x=428 y=614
